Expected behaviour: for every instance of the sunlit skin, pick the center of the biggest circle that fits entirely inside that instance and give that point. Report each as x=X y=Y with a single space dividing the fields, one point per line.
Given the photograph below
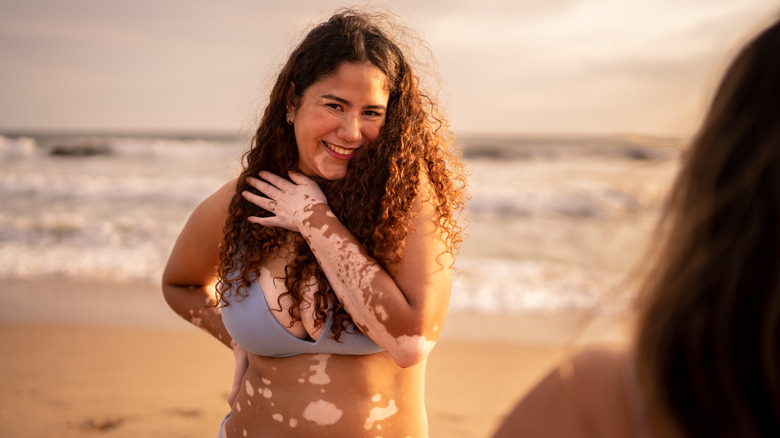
x=401 y=308
x=336 y=116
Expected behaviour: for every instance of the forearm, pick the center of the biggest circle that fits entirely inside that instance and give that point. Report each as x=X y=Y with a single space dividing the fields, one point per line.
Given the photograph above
x=196 y=305
x=368 y=292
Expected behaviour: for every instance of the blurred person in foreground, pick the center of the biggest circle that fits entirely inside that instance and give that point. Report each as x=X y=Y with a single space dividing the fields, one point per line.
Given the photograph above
x=326 y=265
x=706 y=359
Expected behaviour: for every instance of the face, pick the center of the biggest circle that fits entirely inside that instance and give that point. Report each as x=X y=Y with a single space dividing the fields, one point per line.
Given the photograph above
x=336 y=116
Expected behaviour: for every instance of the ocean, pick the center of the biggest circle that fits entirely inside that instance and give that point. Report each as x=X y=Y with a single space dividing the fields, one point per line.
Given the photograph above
x=556 y=223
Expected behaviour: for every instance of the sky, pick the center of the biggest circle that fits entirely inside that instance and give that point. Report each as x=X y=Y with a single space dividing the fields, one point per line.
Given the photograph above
x=502 y=66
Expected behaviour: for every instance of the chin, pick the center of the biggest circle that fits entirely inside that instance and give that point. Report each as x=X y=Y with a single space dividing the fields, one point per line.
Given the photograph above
x=333 y=175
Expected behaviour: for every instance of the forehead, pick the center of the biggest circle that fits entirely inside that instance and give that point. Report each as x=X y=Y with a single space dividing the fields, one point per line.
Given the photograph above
x=359 y=83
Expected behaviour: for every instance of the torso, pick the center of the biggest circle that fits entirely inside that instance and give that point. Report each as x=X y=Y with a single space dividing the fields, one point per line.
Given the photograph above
x=329 y=395
x=322 y=394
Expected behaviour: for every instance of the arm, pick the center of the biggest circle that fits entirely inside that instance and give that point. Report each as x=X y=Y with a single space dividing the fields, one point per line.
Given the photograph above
x=189 y=277
x=403 y=308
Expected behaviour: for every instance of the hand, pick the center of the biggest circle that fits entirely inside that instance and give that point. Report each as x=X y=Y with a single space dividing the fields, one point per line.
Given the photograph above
x=288 y=201
x=242 y=363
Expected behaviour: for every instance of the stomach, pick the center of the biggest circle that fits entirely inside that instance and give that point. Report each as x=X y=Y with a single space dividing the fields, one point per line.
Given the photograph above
x=328 y=395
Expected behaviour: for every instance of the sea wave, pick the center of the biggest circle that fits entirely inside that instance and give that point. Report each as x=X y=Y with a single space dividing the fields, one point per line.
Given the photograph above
x=114 y=216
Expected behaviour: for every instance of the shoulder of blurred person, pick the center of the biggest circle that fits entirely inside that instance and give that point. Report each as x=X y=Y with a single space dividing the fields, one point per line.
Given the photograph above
x=591 y=394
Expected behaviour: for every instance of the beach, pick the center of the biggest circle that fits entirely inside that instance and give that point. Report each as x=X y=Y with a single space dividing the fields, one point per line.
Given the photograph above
x=557 y=230
x=85 y=367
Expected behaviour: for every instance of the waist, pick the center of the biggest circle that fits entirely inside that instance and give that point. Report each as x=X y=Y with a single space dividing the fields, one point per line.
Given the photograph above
x=330 y=371
x=336 y=395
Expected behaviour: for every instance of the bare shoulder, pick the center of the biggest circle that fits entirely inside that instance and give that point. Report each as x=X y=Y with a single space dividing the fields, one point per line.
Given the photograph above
x=599 y=364
x=219 y=201
x=583 y=396
x=194 y=256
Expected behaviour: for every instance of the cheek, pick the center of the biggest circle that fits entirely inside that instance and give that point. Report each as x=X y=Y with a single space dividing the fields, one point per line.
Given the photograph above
x=372 y=132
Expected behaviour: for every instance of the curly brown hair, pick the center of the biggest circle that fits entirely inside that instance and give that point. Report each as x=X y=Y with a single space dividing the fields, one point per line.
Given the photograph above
x=375 y=197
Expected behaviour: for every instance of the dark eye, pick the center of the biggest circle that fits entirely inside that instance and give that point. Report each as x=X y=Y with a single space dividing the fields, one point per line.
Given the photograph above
x=334 y=106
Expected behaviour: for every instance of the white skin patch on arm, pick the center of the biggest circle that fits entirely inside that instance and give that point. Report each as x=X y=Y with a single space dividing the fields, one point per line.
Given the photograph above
x=425 y=345
x=319 y=377
x=379 y=413
x=322 y=413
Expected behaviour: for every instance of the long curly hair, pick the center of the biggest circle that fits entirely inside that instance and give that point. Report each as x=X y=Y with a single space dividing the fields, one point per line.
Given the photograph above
x=708 y=346
x=382 y=180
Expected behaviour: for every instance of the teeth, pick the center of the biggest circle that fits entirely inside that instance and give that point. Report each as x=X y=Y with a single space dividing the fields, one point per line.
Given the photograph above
x=338 y=150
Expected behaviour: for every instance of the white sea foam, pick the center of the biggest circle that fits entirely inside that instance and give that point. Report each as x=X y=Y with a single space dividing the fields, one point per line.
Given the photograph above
x=114 y=215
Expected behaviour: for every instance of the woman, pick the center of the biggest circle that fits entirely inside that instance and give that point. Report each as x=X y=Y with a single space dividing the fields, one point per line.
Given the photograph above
x=326 y=265
x=707 y=357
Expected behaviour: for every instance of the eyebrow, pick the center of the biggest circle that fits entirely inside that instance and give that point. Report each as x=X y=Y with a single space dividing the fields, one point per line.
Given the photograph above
x=346 y=102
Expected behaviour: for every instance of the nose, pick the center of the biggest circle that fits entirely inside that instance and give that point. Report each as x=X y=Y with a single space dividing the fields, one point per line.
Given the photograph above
x=350 y=128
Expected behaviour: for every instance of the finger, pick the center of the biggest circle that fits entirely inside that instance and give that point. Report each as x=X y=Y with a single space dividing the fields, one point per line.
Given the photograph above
x=267 y=204
x=271 y=221
x=264 y=187
x=275 y=179
x=299 y=178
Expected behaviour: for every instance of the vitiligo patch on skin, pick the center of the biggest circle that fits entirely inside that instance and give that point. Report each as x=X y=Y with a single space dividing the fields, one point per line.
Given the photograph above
x=278 y=417
x=322 y=413
x=293 y=422
x=265 y=391
x=319 y=377
x=378 y=414
x=425 y=345
x=249 y=389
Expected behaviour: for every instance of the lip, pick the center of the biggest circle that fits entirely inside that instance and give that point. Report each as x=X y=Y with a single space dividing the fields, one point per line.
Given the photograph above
x=338 y=151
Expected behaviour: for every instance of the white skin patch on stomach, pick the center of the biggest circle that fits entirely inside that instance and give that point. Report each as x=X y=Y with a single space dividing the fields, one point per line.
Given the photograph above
x=322 y=413
x=379 y=413
x=319 y=377
x=249 y=389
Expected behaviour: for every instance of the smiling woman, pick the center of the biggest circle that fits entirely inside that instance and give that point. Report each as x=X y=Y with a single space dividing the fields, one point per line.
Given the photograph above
x=337 y=116
x=326 y=265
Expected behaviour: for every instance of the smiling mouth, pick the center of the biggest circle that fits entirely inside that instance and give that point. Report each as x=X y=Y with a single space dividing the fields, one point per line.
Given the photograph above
x=343 y=152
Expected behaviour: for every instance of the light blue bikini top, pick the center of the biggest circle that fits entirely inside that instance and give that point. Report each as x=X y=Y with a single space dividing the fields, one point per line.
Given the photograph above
x=252 y=325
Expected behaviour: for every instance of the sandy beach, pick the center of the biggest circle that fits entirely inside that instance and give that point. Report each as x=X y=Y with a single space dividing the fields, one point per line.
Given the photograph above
x=114 y=361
